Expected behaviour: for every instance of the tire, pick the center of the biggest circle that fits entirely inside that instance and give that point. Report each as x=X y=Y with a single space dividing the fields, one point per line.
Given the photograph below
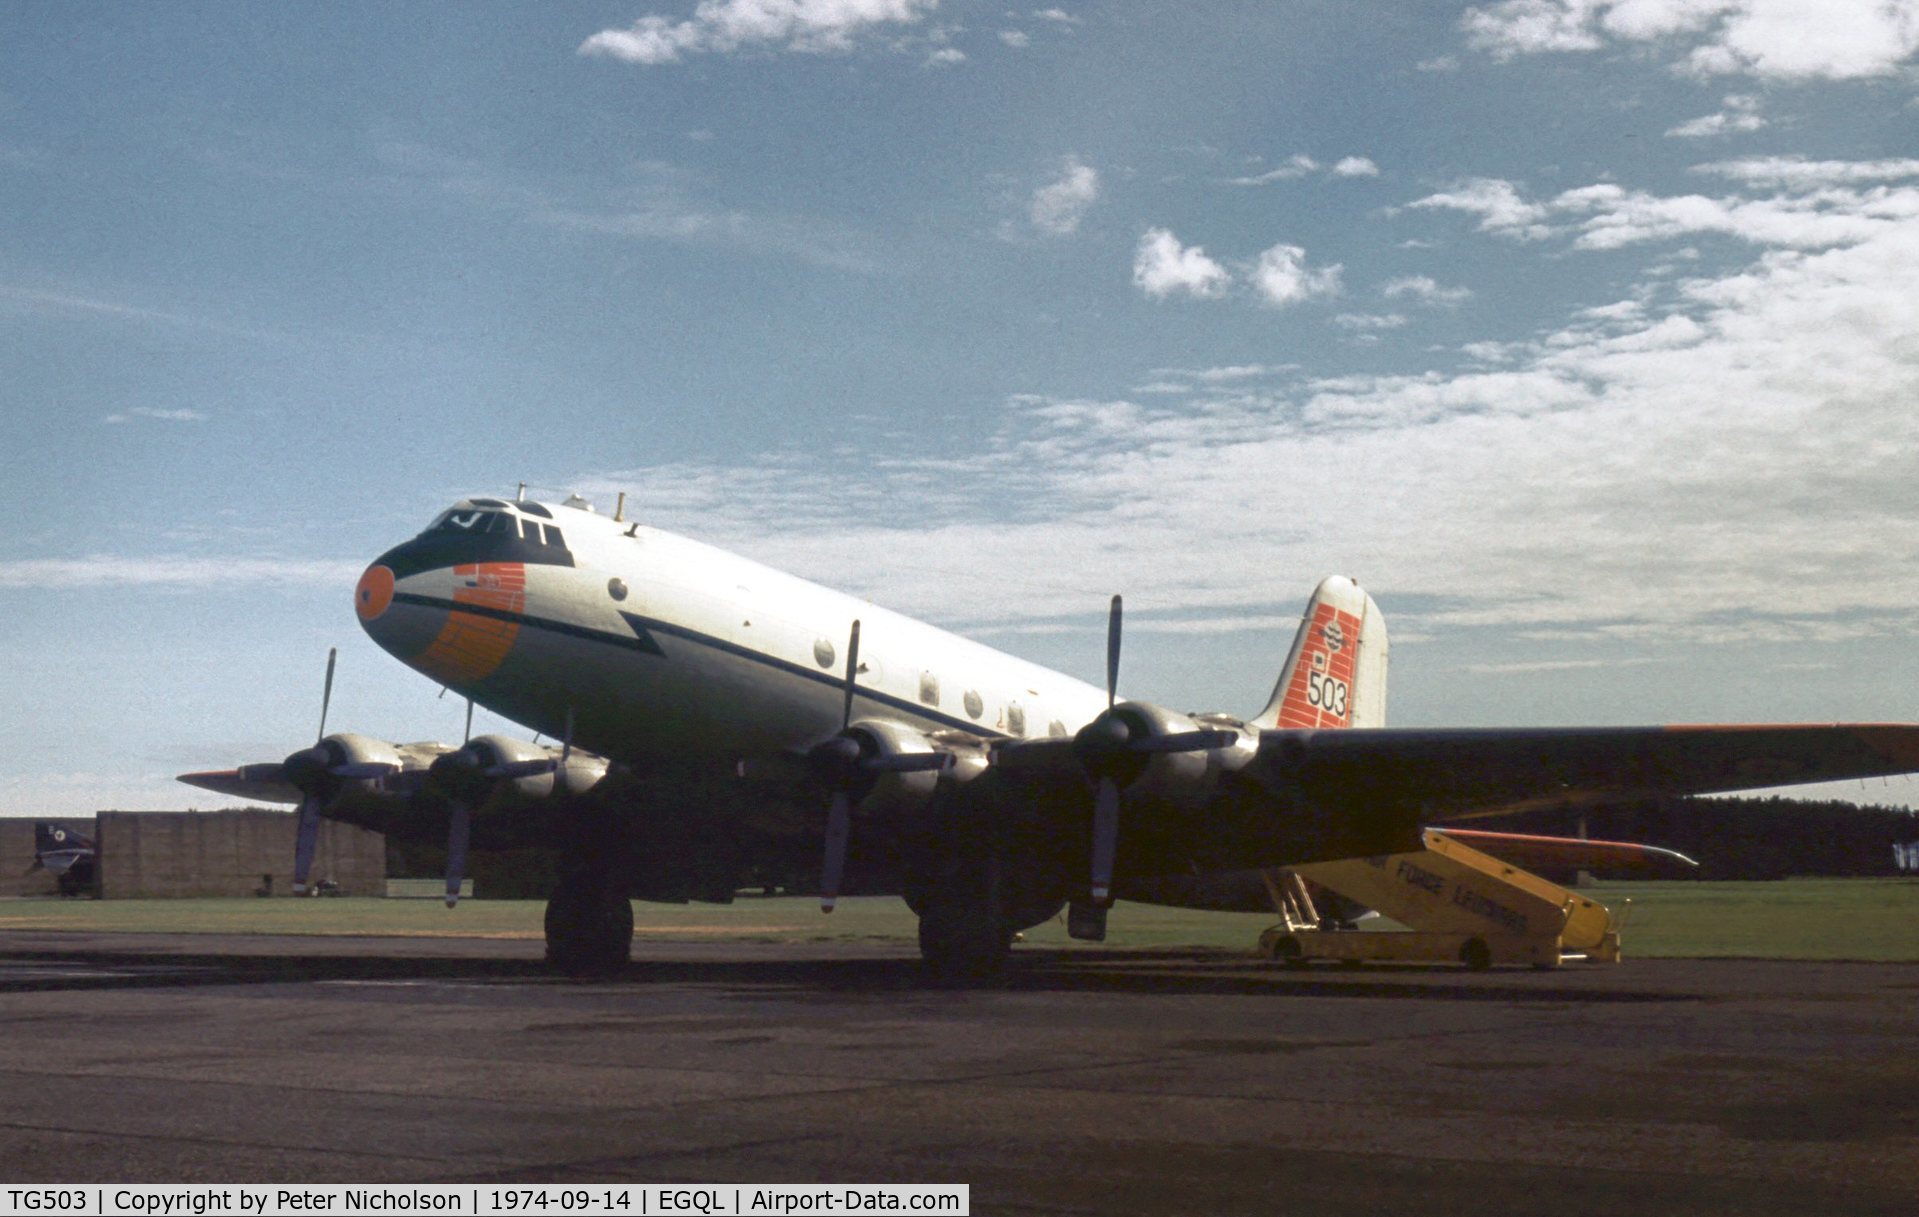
x=964 y=938
x=1476 y=955
x=588 y=933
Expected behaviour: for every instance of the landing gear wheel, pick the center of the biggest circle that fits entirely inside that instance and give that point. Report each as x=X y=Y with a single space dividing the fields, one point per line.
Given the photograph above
x=964 y=937
x=589 y=918
x=589 y=929
x=1475 y=954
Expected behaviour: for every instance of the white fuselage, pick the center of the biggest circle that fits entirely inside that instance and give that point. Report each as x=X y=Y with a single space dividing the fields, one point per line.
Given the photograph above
x=668 y=650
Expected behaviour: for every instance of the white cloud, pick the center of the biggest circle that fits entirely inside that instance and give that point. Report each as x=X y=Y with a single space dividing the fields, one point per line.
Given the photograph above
x=1779 y=39
x=1424 y=290
x=165 y=416
x=1497 y=203
x=1355 y=166
x=668 y=218
x=1797 y=173
x=1741 y=114
x=1059 y=206
x=1017 y=39
x=1365 y=328
x=1281 y=276
x=1814 y=214
x=118 y=570
x=1057 y=15
x=1727 y=455
x=1296 y=166
x=945 y=57
x=1163 y=267
x=720 y=26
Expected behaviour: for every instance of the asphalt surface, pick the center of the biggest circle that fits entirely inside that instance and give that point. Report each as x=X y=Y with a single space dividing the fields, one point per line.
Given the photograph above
x=1149 y=1082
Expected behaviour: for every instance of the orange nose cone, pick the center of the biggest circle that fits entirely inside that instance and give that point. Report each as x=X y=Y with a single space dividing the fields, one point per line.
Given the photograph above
x=375 y=592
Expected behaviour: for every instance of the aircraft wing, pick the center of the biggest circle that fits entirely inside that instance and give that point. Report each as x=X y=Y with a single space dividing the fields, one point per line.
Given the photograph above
x=1463 y=774
x=264 y=785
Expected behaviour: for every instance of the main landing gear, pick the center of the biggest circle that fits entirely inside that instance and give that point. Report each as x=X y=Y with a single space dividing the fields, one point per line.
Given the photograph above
x=589 y=917
x=964 y=934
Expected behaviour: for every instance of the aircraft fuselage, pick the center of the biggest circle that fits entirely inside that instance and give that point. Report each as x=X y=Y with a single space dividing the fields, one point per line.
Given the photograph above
x=674 y=654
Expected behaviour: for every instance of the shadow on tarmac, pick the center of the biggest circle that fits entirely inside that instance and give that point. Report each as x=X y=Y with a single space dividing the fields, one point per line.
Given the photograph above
x=1156 y=972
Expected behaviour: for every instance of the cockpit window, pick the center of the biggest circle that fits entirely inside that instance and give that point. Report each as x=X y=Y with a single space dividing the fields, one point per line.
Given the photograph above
x=475 y=522
x=535 y=509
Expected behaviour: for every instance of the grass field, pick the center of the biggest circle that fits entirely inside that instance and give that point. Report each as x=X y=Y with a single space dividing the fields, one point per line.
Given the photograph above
x=1866 y=919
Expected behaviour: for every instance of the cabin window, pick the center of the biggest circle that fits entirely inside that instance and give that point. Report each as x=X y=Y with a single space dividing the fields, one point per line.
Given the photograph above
x=1056 y=729
x=929 y=689
x=1015 y=719
x=616 y=588
x=974 y=706
x=823 y=653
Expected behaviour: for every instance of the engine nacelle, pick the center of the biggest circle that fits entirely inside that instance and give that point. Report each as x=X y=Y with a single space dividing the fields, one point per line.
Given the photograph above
x=493 y=772
x=355 y=774
x=503 y=751
x=882 y=741
x=1162 y=770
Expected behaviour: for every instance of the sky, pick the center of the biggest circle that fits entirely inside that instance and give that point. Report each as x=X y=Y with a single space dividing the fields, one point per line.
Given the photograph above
x=1583 y=333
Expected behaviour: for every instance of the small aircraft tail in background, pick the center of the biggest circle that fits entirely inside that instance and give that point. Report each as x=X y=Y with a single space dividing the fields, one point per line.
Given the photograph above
x=66 y=855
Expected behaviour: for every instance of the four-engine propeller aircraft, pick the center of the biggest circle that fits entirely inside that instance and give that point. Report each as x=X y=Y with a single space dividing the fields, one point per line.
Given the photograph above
x=694 y=692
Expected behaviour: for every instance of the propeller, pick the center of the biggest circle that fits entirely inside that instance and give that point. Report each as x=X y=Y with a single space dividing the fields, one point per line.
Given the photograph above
x=849 y=765
x=1113 y=744
x=307 y=770
x=465 y=775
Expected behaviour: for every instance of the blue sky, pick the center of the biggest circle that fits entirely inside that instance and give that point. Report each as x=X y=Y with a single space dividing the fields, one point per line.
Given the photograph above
x=1581 y=332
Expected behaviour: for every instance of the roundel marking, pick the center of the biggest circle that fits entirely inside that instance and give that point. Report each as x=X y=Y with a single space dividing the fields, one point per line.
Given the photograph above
x=374 y=593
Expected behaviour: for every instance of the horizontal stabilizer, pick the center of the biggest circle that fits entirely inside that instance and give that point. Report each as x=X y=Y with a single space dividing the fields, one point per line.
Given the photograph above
x=1572 y=853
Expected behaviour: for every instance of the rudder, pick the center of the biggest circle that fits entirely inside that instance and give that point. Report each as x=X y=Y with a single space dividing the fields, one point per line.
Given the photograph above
x=1335 y=675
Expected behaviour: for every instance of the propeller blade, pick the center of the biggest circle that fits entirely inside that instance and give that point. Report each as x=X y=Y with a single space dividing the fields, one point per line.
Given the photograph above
x=566 y=743
x=839 y=825
x=1105 y=839
x=467 y=734
x=307 y=838
x=1185 y=741
x=326 y=692
x=458 y=831
x=1112 y=653
x=852 y=674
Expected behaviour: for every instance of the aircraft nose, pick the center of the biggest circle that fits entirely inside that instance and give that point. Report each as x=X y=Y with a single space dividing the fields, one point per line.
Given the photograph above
x=401 y=621
x=374 y=594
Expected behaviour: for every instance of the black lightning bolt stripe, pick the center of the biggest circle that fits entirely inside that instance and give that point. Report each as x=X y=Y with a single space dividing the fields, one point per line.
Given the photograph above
x=642 y=640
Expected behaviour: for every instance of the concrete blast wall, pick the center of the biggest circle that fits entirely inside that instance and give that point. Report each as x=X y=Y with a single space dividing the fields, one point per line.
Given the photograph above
x=152 y=854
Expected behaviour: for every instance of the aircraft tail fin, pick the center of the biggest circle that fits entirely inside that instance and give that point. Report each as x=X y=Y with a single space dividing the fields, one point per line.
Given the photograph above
x=1335 y=675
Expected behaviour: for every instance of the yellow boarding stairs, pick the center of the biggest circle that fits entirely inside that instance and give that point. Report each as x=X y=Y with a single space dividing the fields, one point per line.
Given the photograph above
x=1461 y=904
